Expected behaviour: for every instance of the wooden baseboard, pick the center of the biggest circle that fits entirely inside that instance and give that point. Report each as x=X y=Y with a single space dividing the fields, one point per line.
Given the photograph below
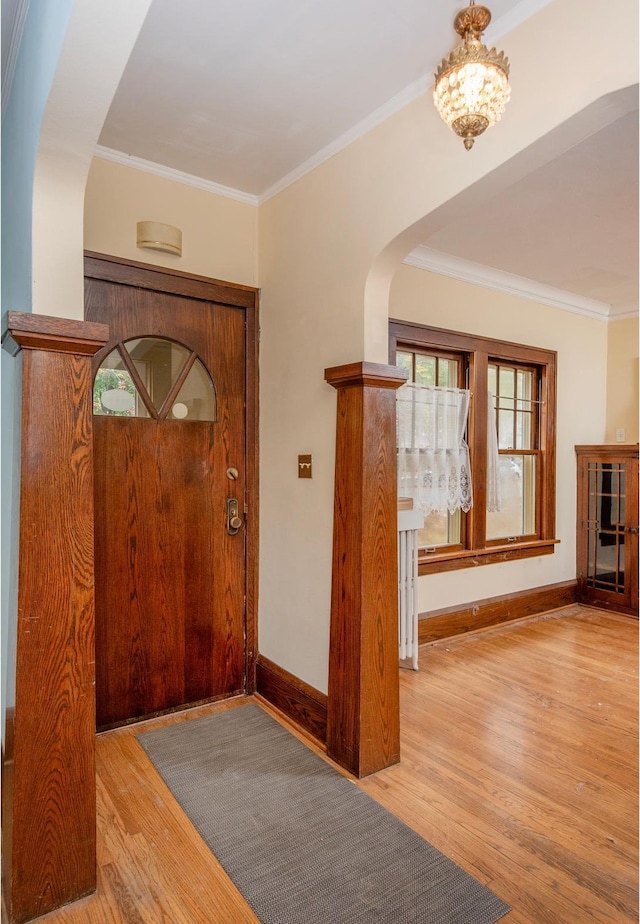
x=455 y=620
x=295 y=698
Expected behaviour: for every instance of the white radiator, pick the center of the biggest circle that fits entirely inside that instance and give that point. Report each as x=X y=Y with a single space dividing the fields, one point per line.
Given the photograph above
x=409 y=522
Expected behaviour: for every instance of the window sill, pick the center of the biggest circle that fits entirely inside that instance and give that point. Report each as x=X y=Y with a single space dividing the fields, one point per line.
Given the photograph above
x=434 y=562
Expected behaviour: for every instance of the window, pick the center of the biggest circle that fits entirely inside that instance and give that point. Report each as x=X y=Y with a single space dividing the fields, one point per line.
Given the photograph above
x=153 y=377
x=513 y=474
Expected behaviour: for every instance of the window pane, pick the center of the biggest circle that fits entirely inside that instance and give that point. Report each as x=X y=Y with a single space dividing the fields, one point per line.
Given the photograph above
x=517 y=516
x=196 y=398
x=448 y=373
x=524 y=430
x=440 y=529
x=507 y=382
x=425 y=370
x=159 y=363
x=492 y=378
x=405 y=361
x=505 y=429
x=525 y=387
x=114 y=393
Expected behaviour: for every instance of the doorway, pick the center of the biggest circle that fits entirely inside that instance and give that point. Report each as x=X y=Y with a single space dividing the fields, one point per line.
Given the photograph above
x=175 y=488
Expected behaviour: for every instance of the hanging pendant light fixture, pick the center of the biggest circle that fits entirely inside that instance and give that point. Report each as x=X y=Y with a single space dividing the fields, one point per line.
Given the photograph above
x=472 y=83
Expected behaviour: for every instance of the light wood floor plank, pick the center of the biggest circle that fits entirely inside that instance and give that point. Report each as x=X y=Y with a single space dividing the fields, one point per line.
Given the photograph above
x=519 y=761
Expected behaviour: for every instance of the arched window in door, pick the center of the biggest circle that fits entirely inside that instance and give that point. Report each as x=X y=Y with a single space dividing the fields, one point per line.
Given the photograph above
x=154 y=377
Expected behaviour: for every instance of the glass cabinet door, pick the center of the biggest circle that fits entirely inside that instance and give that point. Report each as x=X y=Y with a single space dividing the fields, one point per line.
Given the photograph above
x=607 y=527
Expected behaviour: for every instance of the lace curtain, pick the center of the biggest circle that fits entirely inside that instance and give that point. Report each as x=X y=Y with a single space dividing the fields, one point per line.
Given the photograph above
x=433 y=457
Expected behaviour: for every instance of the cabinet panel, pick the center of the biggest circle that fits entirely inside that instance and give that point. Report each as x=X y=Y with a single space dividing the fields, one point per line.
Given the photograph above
x=607 y=527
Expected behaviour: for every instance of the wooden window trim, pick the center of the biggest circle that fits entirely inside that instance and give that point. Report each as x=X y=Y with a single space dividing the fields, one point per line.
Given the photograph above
x=480 y=351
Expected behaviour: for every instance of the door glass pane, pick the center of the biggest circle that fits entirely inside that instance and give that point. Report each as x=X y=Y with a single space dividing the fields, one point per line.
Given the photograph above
x=114 y=393
x=159 y=363
x=196 y=398
x=517 y=516
x=605 y=526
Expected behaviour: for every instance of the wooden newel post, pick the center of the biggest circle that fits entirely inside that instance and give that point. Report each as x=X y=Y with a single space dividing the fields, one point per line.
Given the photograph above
x=363 y=719
x=49 y=795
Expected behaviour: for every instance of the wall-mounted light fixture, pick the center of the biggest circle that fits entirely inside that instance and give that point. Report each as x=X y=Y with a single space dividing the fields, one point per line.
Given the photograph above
x=154 y=235
x=472 y=83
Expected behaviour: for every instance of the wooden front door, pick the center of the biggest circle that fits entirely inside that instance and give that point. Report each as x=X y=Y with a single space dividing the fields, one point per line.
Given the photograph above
x=170 y=482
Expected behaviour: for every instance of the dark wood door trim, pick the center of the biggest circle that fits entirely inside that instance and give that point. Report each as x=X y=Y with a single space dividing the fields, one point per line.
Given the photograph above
x=363 y=716
x=49 y=796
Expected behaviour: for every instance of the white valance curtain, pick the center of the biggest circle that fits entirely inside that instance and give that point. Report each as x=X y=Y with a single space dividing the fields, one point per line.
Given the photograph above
x=433 y=457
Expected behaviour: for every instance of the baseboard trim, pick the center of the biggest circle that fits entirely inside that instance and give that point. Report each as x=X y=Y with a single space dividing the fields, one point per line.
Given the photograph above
x=456 y=620
x=300 y=702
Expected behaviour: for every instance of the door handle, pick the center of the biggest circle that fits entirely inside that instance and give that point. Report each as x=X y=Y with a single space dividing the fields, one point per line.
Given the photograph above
x=632 y=529
x=234 y=520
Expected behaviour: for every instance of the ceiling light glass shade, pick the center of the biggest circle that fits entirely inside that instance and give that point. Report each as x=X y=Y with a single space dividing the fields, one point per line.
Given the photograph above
x=472 y=84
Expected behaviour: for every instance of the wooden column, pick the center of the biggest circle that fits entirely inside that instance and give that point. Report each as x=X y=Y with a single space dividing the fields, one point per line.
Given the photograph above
x=49 y=802
x=363 y=717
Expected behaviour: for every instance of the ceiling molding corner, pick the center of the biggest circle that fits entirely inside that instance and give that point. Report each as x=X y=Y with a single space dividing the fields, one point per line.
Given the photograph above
x=399 y=101
x=176 y=176
x=445 y=264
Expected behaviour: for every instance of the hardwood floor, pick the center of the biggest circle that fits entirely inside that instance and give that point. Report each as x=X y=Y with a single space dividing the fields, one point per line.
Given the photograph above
x=519 y=761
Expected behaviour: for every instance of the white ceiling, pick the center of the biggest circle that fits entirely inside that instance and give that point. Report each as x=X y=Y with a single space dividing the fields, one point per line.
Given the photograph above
x=249 y=95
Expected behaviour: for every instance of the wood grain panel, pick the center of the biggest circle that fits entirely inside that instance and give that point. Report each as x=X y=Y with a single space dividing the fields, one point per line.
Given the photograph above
x=146 y=276
x=363 y=717
x=164 y=529
x=51 y=819
x=296 y=699
x=457 y=620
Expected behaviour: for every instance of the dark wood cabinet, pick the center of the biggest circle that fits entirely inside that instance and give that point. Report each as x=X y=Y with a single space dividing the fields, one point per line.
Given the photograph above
x=607 y=525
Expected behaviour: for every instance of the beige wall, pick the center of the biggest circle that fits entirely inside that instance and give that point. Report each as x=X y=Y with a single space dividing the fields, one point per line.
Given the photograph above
x=622 y=380
x=581 y=345
x=219 y=235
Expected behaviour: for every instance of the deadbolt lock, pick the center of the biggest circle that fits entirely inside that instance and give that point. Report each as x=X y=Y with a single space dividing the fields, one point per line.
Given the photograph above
x=234 y=520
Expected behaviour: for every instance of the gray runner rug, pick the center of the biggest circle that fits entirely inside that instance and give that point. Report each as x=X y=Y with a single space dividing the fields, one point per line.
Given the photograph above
x=303 y=844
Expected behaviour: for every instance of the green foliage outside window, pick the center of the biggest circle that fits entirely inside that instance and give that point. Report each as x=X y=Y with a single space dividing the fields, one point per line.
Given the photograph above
x=107 y=379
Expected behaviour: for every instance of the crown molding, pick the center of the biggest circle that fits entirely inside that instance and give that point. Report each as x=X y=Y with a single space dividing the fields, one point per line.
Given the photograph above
x=515 y=17
x=397 y=102
x=176 y=176
x=447 y=265
x=9 y=65
x=623 y=312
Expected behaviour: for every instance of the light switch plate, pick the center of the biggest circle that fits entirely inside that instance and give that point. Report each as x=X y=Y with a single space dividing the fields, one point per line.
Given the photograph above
x=304 y=466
